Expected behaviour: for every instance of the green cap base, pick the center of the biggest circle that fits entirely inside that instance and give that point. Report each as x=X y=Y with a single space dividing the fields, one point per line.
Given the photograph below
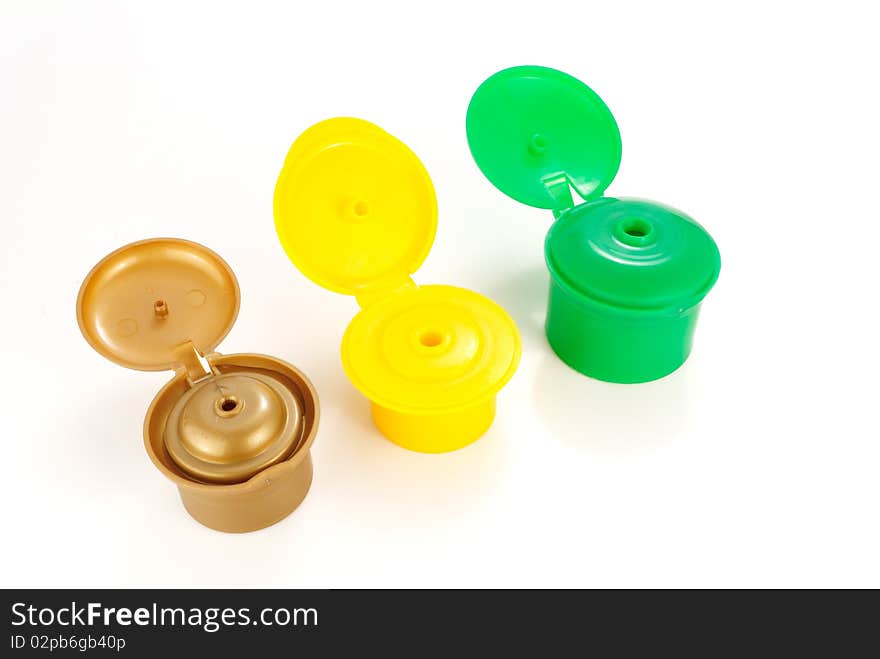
x=621 y=347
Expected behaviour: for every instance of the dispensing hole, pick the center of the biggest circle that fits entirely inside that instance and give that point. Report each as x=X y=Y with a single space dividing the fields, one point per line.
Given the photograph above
x=161 y=308
x=430 y=339
x=361 y=209
x=227 y=405
x=635 y=231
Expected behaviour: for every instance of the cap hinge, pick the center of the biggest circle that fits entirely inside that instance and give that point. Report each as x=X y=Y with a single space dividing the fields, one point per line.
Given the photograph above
x=188 y=358
x=379 y=290
x=559 y=188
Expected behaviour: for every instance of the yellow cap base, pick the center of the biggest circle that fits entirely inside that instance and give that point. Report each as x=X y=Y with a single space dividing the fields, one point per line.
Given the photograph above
x=435 y=433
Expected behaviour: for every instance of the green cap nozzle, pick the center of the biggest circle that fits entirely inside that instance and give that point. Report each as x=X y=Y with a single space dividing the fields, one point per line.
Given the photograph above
x=627 y=275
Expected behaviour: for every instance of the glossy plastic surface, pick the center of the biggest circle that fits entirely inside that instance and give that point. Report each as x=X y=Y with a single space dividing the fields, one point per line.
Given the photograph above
x=355 y=210
x=435 y=433
x=529 y=127
x=269 y=495
x=354 y=207
x=234 y=439
x=226 y=428
x=431 y=349
x=627 y=275
x=632 y=254
x=140 y=303
x=624 y=346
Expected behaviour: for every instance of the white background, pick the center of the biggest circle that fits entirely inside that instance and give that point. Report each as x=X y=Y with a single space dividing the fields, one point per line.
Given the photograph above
x=754 y=465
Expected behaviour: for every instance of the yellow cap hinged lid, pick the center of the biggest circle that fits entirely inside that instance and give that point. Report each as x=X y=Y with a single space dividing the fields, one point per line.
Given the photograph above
x=355 y=209
x=149 y=304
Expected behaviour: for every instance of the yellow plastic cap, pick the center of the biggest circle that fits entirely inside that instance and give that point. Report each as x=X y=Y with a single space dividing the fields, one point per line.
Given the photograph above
x=431 y=350
x=354 y=207
x=355 y=211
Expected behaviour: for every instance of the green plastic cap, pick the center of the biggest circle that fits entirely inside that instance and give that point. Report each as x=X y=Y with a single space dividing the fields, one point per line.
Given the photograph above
x=531 y=128
x=633 y=254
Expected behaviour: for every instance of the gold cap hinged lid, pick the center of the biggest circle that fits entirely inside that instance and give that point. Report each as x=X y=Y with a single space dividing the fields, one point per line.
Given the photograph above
x=158 y=304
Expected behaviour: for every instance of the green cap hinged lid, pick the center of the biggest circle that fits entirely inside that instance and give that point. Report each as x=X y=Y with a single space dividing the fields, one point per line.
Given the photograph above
x=532 y=128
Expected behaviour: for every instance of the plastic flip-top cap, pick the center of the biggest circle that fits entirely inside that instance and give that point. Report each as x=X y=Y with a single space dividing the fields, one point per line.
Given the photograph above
x=627 y=275
x=530 y=125
x=354 y=207
x=356 y=212
x=235 y=440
